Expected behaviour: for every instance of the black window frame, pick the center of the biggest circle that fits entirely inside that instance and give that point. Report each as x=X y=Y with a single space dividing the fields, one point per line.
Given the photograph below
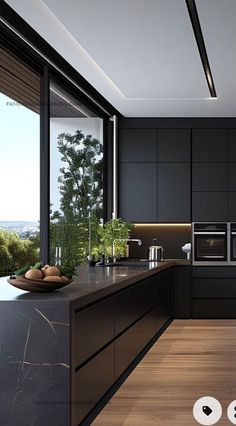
x=19 y=38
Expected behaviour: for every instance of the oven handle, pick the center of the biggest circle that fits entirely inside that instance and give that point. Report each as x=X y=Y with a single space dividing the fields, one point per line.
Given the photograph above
x=233 y=233
x=210 y=233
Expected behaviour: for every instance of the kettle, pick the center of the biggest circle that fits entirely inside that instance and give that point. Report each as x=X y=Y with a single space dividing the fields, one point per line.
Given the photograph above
x=155 y=252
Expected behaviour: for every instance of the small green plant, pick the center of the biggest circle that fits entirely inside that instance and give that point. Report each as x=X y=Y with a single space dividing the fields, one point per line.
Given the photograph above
x=112 y=230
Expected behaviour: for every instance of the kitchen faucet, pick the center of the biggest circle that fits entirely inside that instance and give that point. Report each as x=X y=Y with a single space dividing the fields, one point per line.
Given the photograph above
x=123 y=239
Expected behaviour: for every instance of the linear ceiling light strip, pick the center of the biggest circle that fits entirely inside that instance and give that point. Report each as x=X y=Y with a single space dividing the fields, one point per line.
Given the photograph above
x=54 y=65
x=192 y=10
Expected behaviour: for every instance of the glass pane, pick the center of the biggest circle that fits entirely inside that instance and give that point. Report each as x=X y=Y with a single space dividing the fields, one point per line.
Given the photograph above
x=76 y=176
x=19 y=163
x=210 y=247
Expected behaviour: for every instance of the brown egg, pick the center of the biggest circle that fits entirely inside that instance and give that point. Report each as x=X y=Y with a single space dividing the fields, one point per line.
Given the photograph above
x=65 y=279
x=34 y=274
x=43 y=270
x=53 y=278
x=53 y=271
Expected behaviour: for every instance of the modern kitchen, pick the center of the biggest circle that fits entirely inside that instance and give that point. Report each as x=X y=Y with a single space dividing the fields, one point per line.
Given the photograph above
x=118 y=294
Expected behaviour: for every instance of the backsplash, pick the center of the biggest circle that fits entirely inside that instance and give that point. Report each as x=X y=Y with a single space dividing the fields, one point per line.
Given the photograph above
x=171 y=237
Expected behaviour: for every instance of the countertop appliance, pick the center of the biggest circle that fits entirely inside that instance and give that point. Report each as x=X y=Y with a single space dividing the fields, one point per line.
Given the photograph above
x=211 y=244
x=155 y=253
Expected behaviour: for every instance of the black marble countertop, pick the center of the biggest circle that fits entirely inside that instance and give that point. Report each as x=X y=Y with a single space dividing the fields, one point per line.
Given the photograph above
x=92 y=283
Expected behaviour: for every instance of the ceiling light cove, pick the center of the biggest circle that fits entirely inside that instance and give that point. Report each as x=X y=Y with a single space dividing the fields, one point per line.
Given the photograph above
x=193 y=14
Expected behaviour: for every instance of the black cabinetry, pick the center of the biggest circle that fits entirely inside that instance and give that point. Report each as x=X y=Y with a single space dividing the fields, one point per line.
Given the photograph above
x=164 y=298
x=209 y=177
x=182 y=292
x=173 y=192
x=209 y=206
x=213 y=292
x=138 y=145
x=154 y=184
x=138 y=192
x=213 y=175
x=209 y=145
x=174 y=145
x=110 y=334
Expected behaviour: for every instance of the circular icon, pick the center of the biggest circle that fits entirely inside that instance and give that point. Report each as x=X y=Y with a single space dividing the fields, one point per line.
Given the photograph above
x=231 y=412
x=207 y=410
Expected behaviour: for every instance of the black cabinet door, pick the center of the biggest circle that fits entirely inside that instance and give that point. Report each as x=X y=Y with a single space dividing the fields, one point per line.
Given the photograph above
x=138 y=145
x=217 y=288
x=173 y=192
x=214 y=308
x=232 y=177
x=173 y=145
x=209 y=206
x=132 y=303
x=133 y=341
x=182 y=291
x=232 y=145
x=138 y=192
x=164 y=298
x=91 y=382
x=209 y=176
x=209 y=145
x=94 y=328
x=232 y=206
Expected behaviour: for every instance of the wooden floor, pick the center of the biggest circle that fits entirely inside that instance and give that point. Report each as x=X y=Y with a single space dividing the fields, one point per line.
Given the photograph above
x=193 y=358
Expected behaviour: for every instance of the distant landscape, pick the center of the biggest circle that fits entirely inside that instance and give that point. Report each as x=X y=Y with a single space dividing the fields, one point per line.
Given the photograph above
x=25 y=229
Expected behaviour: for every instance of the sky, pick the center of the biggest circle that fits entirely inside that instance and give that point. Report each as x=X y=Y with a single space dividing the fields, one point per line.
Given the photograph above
x=19 y=158
x=19 y=161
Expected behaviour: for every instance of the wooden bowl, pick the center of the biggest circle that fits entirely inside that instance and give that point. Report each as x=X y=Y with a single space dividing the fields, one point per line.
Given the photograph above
x=36 y=285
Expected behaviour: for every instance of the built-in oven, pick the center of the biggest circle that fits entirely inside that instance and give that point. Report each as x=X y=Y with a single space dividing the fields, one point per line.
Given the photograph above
x=210 y=244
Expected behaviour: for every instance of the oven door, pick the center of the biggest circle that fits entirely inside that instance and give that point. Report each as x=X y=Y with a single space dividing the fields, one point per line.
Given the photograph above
x=210 y=247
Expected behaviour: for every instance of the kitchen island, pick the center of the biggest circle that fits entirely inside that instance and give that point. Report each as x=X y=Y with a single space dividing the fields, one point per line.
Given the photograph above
x=62 y=353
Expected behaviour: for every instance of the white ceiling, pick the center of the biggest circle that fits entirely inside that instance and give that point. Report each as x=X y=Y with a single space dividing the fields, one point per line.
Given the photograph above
x=141 y=55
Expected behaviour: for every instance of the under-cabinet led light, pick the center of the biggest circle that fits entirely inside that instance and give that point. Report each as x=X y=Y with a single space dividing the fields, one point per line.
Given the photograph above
x=163 y=224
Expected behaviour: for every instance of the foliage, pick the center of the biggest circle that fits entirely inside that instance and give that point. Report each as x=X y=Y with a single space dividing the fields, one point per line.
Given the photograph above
x=112 y=230
x=81 y=202
x=15 y=253
x=81 y=187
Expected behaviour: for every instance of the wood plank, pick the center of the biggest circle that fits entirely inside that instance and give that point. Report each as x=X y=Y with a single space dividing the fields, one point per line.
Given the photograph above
x=193 y=358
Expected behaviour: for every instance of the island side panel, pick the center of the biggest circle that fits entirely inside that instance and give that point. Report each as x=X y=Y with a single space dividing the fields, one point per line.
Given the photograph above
x=35 y=363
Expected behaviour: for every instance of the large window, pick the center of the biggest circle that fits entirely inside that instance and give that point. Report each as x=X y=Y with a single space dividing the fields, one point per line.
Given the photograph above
x=76 y=178
x=19 y=163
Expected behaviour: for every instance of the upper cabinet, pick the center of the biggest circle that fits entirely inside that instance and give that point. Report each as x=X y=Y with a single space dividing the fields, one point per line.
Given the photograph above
x=209 y=145
x=154 y=184
x=138 y=192
x=173 y=192
x=173 y=145
x=138 y=145
x=177 y=175
x=209 y=175
x=232 y=146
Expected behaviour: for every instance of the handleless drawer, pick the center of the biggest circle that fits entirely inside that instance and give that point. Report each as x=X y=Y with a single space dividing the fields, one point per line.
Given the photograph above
x=92 y=382
x=214 y=288
x=214 y=308
x=133 y=341
x=131 y=304
x=94 y=328
x=214 y=272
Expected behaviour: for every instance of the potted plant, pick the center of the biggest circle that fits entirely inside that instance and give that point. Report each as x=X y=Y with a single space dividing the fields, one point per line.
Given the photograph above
x=115 y=229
